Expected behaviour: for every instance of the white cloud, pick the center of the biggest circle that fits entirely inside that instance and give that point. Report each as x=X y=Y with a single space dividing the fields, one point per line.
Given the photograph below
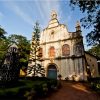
x=44 y=7
x=38 y=10
x=17 y=10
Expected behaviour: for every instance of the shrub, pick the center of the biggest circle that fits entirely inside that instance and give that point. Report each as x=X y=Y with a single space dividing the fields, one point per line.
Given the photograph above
x=16 y=91
x=29 y=87
x=95 y=83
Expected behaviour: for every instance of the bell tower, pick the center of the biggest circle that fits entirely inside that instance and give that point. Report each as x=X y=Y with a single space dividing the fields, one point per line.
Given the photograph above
x=78 y=28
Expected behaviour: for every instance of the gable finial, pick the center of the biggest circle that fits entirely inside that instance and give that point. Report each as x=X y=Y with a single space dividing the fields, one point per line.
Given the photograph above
x=78 y=27
x=53 y=14
x=77 y=24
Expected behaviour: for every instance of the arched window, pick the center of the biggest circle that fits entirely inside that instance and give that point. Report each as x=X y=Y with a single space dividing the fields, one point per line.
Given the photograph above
x=65 y=50
x=52 y=52
x=78 y=49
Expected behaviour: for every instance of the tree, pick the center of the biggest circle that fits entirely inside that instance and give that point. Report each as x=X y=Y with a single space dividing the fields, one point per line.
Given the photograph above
x=34 y=61
x=2 y=33
x=24 y=48
x=92 y=9
x=4 y=44
x=95 y=50
x=9 y=70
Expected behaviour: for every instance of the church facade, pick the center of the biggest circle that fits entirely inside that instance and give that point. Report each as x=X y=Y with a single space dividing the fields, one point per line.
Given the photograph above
x=62 y=51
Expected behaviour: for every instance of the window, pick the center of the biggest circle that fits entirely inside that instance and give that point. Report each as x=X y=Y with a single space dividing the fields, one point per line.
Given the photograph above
x=52 y=52
x=52 y=32
x=65 y=50
x=78 y=49
x=52 y=35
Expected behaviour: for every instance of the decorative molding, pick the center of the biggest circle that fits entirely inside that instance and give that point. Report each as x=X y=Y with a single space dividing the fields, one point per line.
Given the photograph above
x=52 y=27
x=68 y=57
x=73 y=38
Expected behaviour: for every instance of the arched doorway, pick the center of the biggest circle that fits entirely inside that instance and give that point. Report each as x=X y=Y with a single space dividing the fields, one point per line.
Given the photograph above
x=52 y=71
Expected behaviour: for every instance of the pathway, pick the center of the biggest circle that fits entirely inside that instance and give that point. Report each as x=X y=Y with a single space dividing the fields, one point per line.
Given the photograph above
x=73 y=91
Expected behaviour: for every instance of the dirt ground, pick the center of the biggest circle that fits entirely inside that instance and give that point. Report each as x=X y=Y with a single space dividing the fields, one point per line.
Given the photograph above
x=73 y=91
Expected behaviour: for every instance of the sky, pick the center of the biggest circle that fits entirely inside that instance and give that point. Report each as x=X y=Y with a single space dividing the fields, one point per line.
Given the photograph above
x=20 y=16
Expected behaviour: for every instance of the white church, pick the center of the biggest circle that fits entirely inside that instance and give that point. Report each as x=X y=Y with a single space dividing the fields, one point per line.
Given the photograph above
x=63 y=52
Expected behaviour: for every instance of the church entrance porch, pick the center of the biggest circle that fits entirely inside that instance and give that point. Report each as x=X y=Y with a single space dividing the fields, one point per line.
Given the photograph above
x=52 y=71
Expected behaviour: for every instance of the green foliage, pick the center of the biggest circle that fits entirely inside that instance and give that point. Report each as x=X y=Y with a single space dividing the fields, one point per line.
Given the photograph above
x=2 y=33
x=95 y=86
x=17 y=90
x=34 y=47
x=23 y=45
x=4 y=44
x=92 y=10
x=95 y=83
x=29 y=88
x=36 y=68
x=95 y=50
x=24 y=48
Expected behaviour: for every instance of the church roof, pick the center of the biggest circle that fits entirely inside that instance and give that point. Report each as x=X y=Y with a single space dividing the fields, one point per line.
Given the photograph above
x=14 y=45
x=92 y=55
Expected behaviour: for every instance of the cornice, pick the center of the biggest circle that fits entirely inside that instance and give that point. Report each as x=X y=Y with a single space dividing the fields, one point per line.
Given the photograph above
x=68 y=57
x=73 y=38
